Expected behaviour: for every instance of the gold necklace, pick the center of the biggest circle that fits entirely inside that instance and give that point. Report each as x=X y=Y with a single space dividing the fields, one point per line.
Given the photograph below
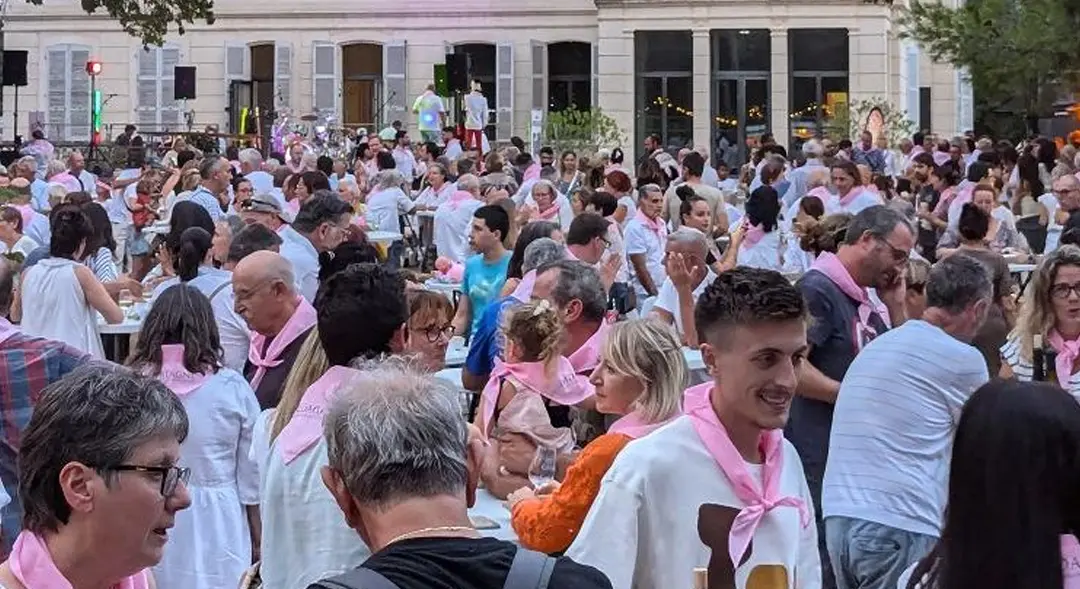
x=414 y=533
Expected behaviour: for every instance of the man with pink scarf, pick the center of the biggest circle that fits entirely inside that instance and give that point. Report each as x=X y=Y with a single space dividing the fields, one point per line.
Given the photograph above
x=718 y=488
x=844 y=318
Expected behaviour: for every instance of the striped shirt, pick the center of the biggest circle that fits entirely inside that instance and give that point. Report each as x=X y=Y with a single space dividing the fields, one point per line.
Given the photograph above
x=893 y=426
x=103 y=265
x=1023 y=369
x=201 y=196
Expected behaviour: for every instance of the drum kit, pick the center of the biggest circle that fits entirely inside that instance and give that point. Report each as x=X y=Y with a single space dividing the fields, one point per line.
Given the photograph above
x=318 y=133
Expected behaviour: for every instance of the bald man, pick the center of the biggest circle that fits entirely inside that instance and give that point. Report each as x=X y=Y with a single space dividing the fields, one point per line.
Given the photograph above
x=279 y=318
x=687 y=277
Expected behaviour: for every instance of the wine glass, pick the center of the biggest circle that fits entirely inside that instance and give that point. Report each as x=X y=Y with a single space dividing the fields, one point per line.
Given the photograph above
x=542 y=468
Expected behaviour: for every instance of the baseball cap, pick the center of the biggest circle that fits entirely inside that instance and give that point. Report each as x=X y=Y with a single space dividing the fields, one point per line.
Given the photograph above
x=264 y=203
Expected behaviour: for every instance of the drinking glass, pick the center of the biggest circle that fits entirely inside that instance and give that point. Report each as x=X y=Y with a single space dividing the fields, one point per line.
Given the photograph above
x=542 y=468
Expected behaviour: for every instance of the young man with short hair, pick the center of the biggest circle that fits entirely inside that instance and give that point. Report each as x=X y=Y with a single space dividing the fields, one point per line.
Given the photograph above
x=485 y=273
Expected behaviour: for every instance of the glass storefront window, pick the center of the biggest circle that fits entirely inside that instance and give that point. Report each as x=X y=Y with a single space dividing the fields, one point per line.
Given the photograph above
x=819 y=60
x=664 y=86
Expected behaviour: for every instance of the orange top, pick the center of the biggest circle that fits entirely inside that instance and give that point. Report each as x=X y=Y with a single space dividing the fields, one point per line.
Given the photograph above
x=549 y=524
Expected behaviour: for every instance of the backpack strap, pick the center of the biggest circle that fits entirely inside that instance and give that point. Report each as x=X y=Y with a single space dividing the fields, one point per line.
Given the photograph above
x=359 y=578
x=219 y=288
x=530 y=570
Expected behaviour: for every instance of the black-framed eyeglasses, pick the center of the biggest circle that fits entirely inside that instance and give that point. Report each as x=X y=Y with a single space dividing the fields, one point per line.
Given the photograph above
x=1063 y=290
x=897 y=253
x=433 y=332
x=170 y=475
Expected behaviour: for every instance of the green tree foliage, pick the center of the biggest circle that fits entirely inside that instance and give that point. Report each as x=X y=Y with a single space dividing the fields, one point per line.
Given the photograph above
x=149 y=20
x=582 y=131
x=1017 y=52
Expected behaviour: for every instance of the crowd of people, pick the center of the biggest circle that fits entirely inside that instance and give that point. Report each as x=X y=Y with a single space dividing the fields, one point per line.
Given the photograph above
x=817 y=371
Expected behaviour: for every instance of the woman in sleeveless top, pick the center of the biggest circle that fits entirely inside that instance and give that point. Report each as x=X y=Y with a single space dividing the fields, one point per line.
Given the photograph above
x=1050 y=314
x=60 y=295
x=762 y=245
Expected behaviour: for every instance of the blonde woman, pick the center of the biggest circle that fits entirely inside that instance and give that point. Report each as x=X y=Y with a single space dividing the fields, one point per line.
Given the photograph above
x=1051 y=313
x=640 y=378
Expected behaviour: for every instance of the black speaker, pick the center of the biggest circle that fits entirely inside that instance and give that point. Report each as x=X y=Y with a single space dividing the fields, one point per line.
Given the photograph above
x=184 y=82
x=14 y=68
x=458 y=71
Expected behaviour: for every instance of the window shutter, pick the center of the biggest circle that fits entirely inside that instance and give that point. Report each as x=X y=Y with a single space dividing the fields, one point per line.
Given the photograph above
x=79 y=101
x=965 y=108
x=394 y=74
x=504 y=98
x=595 y=89
x=324 y=78
x=282 y=76
x=909 y=80
x=539 y=75
x=56 y=58
x=168 y=106
x=147 y=89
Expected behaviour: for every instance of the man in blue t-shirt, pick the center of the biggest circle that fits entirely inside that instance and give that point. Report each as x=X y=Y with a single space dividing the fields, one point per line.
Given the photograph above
x=485 y=273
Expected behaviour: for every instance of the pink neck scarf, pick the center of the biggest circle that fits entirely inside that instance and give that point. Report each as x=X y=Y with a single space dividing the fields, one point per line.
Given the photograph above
x=563 y=386
x=830 y=265
x=655 y=225
x=303 y=319
x=33 y=566
x=851 y=196
x=634 y=426
x=1067 y=353
x=531 y=173
x=552 y=212
x=523 y=292
x=7 y=330
x=175 y=375
x=1070 y=556
x=587 y=357
x=27 y=213
x=753 y=234
x=757 y=501
x=305 y=427
x=457 y=199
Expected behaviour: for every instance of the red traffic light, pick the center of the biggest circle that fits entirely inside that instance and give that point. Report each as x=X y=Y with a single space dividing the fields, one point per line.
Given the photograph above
x=93 y=67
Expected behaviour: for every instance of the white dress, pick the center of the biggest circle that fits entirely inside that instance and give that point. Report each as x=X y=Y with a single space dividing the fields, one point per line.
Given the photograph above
x=55 y=307
x=217 y=286
x=210 y=545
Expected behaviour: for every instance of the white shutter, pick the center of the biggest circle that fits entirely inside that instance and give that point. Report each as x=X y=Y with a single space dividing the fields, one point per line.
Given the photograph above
x=79 y=101
x=168 y=107
x=595 y=71
x=504 y=98
x=146 y=88
x=539 y=75
x=324 y=92
x=56 y=64
x=965 y=106
x=282 y=76
x=237 y=67
x=394 y=78
x=909 y=80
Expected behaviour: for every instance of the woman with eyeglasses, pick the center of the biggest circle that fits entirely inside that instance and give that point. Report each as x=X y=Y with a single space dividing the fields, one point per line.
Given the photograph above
x=430 y=314
x=100 y=484
x=1050 y=317
x=215 y=541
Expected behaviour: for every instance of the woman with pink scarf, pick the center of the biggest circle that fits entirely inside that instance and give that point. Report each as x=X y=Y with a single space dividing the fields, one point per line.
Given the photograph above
x=762 y=246
x=640 y=379
x=101 y=482
x=546 y=204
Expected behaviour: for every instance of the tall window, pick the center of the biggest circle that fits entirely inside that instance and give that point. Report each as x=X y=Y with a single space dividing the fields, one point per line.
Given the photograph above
x=741 y=61
x=819 y=79
x=156 y=109
x=68 y=93
x=569 y=76
x=663 y=76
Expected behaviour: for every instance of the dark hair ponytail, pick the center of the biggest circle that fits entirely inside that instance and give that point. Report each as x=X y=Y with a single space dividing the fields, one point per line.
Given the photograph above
x=194 y=243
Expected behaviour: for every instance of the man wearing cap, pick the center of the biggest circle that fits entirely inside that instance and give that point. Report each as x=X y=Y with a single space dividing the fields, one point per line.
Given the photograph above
x=263 y=208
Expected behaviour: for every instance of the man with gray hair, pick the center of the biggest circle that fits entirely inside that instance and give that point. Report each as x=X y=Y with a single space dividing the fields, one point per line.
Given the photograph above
x=251 y=167
x=27 y=365
x=403 y=467
x=688 y=275
x=576 y=289
x=893 y=428
x=844 y=319
x=798 y=178
x=484 y=346
x=215 y=175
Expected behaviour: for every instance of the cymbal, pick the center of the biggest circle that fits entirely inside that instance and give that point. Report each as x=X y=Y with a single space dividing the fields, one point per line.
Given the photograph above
x=309 y=118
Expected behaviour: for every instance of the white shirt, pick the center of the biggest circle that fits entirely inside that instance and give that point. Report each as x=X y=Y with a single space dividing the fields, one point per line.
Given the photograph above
x=406 y=162
x=642 y=529
x=87 y=180
x=384 y=207
x=1053 y=229
x=640 y=240
x=767 y=253
x=893 y=426
x=631 y=209
x=476 y=111
x=261 y=182
x=453 y=149
x=864 y=200
x=429 y=197
x=668 y=298
x=428 y=107
x=452 y=224
x=24 y=246
x=303 y=256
